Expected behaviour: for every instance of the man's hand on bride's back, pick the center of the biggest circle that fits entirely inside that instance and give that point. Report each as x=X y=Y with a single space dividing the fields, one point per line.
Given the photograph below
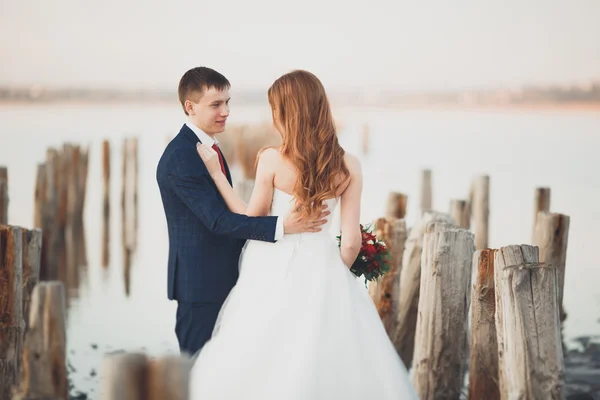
x=295 y=223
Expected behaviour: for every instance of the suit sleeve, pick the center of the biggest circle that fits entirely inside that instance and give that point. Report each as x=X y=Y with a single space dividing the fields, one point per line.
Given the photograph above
x=195 y=188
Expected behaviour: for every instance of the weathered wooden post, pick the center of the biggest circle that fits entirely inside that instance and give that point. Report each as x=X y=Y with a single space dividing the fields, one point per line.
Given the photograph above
x=541 y=203
x=82 y=166
x=461 y=213
x=48 y=203
x=393 y=233
x=527 y=323
x=40 y=196
x=135 y=160
x=44 y=372
x=32 y=251
x=410 y=283
x=426 y=191
x=552 y=236
x=132 y=376
x=441 y=335
x=483 y=366
x=480 y=203
x=396 y=205
x=11 y=307
x=106 y=203
x=3 y=195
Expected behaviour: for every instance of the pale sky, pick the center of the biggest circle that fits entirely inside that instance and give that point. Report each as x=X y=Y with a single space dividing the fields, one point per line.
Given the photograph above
x=392 y=44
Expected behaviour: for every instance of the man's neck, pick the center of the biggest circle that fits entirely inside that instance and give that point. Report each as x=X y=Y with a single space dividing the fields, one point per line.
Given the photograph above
x=202 y=135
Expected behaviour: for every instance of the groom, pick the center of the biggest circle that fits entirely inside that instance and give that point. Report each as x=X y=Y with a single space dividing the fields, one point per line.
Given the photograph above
x=205 y=238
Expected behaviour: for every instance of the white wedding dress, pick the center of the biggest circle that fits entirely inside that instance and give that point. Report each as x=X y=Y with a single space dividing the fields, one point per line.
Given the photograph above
x=298 y=326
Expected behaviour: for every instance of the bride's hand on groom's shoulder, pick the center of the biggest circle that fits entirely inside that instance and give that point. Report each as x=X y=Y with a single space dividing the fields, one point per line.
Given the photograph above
x=210 y=158
x=295 y=223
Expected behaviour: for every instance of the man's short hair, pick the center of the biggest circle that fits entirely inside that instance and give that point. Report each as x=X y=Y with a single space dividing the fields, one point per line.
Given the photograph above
x=197 y=80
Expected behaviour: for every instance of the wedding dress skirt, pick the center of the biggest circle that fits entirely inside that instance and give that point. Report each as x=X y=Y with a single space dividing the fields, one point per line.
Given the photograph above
x=298 y=326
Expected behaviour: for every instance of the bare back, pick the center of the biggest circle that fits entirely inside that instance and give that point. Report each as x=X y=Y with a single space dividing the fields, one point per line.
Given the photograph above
x=286 y=175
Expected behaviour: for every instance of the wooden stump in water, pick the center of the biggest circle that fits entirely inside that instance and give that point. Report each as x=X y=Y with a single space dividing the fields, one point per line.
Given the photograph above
x=11 y=307
x=396 y=205
x=541 y=203
x=483 y=366
x=105 y=203
x=132 y=376
x=441 y=334
x=386 y=294
x=3 y=195
x=426 y=191
x=44 y=372
x=552 y=236
x=531 y=362
x=410 y=283
x=32 y=251
x=461 y=213
x=480 y=207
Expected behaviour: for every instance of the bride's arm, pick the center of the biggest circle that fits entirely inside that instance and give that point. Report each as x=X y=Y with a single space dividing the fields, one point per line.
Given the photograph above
x=262 y=194
x=211 y=160
x=350 y=213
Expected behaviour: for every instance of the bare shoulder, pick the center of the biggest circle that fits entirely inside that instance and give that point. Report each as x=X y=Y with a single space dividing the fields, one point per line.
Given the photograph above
x=269 y=158
x=353 y=164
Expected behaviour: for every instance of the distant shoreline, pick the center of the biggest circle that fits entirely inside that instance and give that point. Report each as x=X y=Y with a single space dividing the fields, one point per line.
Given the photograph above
x=554 y=107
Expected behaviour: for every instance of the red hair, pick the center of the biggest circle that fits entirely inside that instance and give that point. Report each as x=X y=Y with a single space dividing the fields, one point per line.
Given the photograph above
x=302 y=114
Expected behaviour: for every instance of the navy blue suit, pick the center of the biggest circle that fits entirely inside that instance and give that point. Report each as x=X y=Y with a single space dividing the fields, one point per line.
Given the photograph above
x=205 y=239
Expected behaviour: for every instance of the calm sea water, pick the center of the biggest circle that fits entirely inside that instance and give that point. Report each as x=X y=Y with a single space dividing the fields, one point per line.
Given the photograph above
x=520 y=150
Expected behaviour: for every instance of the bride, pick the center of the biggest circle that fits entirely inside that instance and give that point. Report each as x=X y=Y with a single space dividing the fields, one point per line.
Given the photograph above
x=298 y=325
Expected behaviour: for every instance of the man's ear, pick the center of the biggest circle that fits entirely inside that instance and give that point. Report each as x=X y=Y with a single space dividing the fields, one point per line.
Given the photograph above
x=189 y=107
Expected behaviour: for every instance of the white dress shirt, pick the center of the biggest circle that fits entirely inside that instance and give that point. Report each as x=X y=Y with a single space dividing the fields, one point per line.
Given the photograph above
x=208 y=140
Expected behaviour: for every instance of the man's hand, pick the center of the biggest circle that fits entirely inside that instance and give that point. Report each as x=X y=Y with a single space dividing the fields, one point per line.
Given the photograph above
x=295 y=223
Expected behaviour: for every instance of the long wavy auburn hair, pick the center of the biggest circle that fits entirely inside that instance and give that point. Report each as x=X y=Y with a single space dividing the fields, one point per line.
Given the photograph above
x=302 y=114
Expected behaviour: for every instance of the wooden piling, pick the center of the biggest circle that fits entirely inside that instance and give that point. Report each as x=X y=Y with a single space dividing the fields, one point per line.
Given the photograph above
x=426 y=191
x=3 y=195
x=48 y=212
x=527 y=322
x=410 y=282
x=82 y=166
x=396 y=205
x=461 y=213
x=44 y=372
x=32 y=251
x=105 y=203
x=483 y=365
x=480 y=207
x=135 y=161
x=541 y=202
x=133 y=376
x=11 y=307
x=40 y=195
x=552 y=236
x=129 y=193
x=441 y=335
x=393 y=233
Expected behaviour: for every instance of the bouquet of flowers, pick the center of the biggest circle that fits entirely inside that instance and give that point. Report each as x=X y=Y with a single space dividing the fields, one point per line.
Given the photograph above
x=373 y=259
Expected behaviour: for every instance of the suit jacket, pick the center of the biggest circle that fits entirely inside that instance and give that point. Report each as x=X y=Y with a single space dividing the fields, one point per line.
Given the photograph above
x=205 y=238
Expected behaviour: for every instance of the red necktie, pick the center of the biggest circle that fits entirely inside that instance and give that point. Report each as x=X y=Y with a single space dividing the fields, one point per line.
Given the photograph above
x=216 y=148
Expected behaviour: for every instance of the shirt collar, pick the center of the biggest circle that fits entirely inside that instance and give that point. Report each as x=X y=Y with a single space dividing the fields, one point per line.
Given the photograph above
x=203 y=137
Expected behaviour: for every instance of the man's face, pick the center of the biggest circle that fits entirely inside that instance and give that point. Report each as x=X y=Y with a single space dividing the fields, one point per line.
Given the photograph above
x=211 y=111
